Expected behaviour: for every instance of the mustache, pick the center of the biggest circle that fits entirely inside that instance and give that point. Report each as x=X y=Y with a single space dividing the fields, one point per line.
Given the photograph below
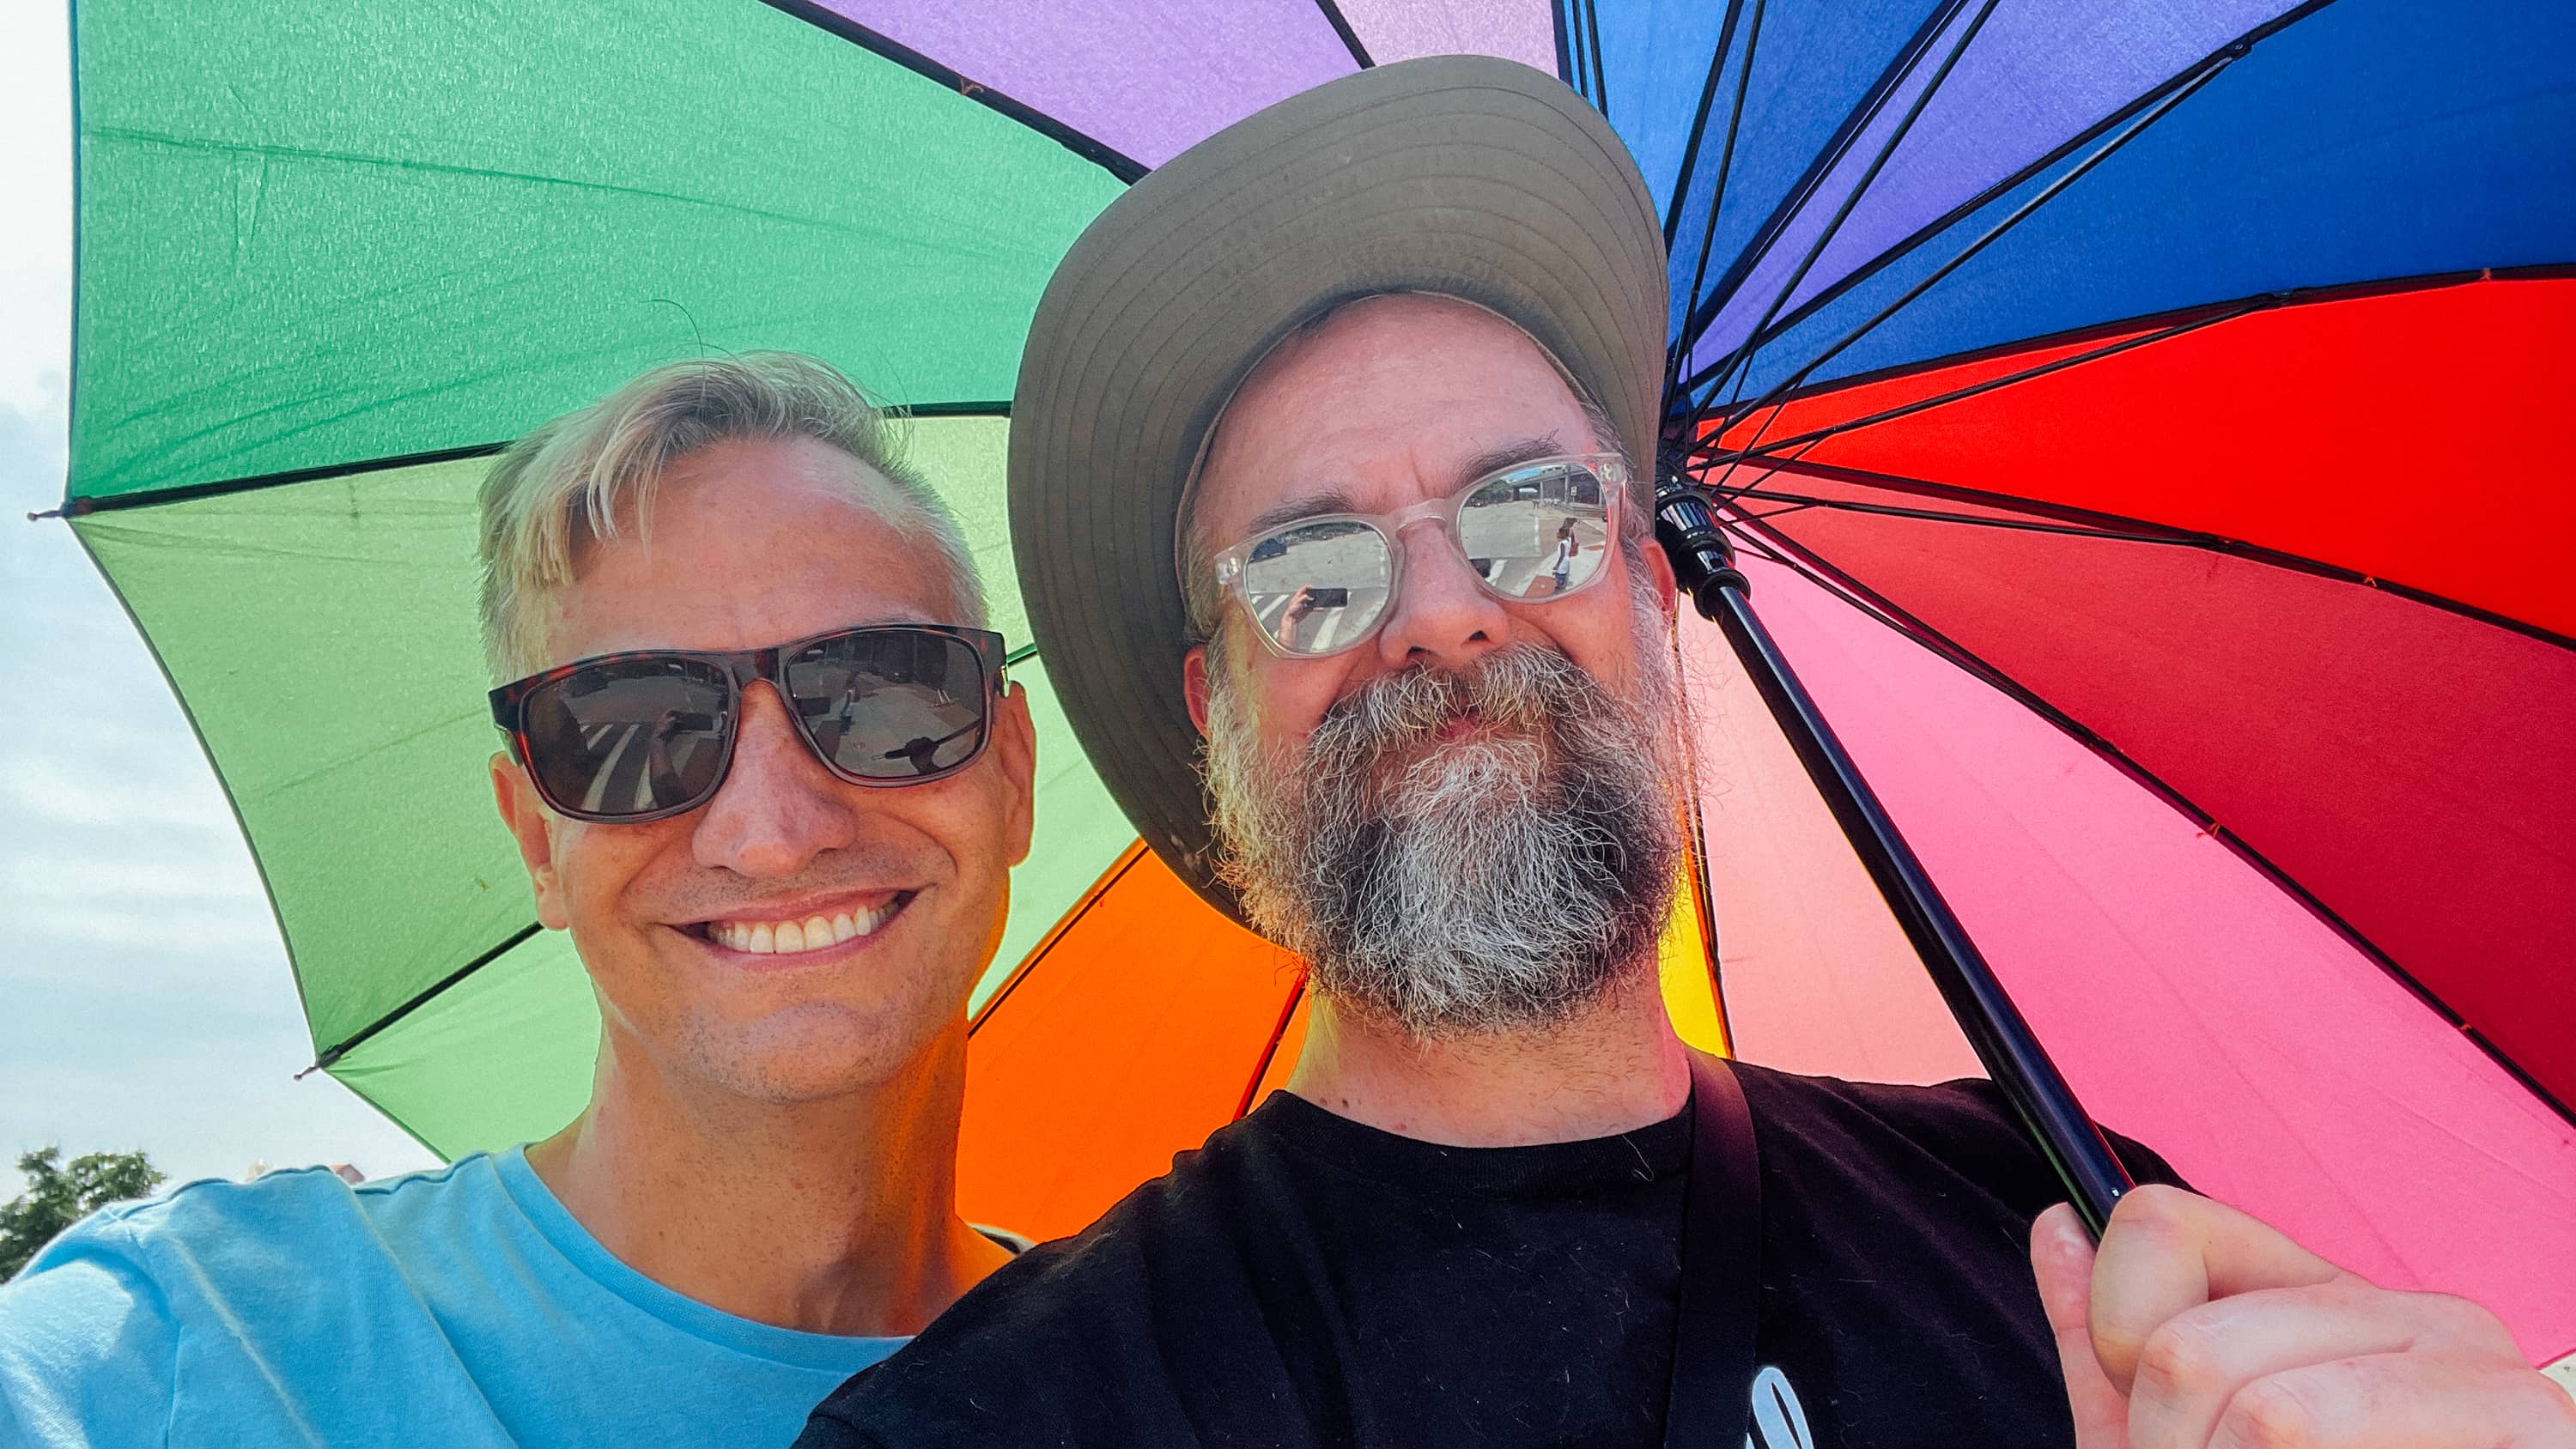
x=1522 y=687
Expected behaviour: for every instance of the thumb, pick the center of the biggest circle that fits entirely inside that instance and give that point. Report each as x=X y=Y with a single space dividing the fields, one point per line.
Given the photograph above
x=2061 y=1257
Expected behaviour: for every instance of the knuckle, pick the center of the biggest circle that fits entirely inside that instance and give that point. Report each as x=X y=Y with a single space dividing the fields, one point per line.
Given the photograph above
x=2155 y=1199
x=2553 y=1404
x=2180 y=1360
x=2268 y=1414
x=2462 y=1322
x=2154 y=1209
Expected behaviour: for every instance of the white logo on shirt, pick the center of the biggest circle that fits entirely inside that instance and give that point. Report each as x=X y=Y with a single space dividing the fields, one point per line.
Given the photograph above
x=1779 y=1420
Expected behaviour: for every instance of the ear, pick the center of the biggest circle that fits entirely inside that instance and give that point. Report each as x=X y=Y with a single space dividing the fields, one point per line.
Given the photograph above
x=1015 y=743
x=1659 y=567
x=1194 y=685
x=531 y=825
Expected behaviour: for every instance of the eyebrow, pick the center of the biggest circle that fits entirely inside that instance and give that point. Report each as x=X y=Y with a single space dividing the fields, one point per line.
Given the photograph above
x=1310 y=505
x=1336 y=500
x=1495 y=460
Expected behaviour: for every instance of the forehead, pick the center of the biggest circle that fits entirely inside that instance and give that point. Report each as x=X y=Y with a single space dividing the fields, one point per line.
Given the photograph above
x=750 y=543
x=1380 y=404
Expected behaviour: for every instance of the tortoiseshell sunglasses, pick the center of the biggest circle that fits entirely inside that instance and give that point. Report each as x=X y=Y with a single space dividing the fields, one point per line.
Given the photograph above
x=649 y=734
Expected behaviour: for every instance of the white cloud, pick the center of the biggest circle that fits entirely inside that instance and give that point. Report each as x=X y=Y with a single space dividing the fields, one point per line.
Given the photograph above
x=149 y=1002
x=62 y=793
x=36 y=175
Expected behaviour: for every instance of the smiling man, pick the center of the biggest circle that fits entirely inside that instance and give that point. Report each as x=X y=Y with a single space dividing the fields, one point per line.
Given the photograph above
x=1304 y=426
x=763 y=766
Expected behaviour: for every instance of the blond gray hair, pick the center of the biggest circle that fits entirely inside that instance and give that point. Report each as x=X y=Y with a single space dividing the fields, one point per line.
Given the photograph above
x=572 y=480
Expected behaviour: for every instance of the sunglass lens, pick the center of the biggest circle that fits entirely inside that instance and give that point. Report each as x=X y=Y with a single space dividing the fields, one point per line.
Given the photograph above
x=892 y=704
x=629 y=737
x=1315 y=587
x=1537 y=532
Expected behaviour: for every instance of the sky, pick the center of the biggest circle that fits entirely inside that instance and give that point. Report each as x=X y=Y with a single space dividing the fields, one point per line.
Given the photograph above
x=144 y=996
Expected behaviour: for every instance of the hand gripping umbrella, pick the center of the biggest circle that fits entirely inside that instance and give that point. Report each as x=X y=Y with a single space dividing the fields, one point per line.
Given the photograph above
x=2139 y=424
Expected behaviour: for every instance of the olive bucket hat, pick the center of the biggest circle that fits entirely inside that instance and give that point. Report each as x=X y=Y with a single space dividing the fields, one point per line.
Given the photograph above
x=1468 y=176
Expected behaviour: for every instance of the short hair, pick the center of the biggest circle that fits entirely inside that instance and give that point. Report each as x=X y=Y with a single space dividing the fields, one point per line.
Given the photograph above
x=568 y=482
x=1202 y=601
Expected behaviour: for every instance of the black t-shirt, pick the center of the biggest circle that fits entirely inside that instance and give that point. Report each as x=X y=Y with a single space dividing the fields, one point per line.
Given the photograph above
x=1371 y=1289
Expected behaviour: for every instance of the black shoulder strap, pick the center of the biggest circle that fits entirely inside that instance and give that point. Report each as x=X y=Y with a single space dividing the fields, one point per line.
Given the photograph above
x=1712 y=1393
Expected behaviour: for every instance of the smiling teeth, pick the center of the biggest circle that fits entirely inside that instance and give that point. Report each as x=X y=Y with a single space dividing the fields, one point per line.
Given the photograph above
x=781 y=938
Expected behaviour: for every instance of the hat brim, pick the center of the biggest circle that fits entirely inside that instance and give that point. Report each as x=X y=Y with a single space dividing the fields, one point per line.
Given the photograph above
x=1469 y=176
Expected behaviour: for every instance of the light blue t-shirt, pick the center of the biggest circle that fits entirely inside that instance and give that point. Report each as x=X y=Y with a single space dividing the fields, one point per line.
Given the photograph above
x=459 y=1308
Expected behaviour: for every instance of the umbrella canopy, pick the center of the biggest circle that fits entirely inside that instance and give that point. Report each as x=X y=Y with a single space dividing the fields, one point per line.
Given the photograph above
x=2138 y=417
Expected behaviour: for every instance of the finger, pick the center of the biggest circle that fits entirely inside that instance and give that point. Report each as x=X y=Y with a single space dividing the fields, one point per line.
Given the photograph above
x=2414 y=1400
x=2195 y=1365
x=2167 y=1252
x=2061 y=1257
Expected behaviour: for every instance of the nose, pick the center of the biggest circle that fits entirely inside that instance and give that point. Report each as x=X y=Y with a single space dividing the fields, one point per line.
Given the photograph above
x=1442 y=616
x=779 y=807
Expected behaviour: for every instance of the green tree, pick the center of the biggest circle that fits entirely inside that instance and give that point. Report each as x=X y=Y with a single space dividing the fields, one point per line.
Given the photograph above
x=60 y=1194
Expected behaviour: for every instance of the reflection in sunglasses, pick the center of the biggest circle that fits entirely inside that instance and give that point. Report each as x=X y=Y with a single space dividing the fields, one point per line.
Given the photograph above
x=1529 y=533
x=648 y=734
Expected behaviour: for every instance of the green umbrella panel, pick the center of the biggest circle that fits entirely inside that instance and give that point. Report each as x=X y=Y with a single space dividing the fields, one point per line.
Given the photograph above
x=329 y=259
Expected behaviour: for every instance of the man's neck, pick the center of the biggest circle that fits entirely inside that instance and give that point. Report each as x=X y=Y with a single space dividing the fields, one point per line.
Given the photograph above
x=1613 y=1067
x=837 y=1216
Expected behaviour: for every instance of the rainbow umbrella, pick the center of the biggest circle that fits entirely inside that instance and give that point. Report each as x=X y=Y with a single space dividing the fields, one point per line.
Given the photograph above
x=2143 y=423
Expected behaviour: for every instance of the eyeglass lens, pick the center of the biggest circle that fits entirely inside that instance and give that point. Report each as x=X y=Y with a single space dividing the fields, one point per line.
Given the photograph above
x=1530 y=535
x=630 y=736
x=637 y=736
x=891 y=705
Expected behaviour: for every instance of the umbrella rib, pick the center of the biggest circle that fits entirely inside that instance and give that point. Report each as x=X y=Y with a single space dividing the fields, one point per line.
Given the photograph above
x=2191 y=76
x=1099 y=888
x=331 y=1056
x=1813 y=567
x=1836 y=147
x=2124 y=329
x=1737 y=522
x=1350 y=38
x=82 y=507
x=1889 y=510
x=2100 y=524
x=1745 y=495
x=1270 y=1052
x=1600 y=76
x=1679 y=352
x=1569 y=45
x=1743 y=357
x=1699 y=122
x=1090 y=148
x=1777 y=397
x=1750 y=453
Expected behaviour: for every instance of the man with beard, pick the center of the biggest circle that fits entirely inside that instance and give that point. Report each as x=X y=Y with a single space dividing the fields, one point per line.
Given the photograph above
x=1296 y=424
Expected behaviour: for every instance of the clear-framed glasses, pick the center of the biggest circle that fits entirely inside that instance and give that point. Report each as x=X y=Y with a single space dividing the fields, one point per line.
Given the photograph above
x=1531 y=533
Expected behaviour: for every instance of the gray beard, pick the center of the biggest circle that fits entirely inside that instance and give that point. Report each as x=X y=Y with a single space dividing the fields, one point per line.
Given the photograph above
x=1501 y=881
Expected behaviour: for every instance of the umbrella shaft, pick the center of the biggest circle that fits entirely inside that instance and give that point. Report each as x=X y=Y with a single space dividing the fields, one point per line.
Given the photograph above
x=2012 y=1055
